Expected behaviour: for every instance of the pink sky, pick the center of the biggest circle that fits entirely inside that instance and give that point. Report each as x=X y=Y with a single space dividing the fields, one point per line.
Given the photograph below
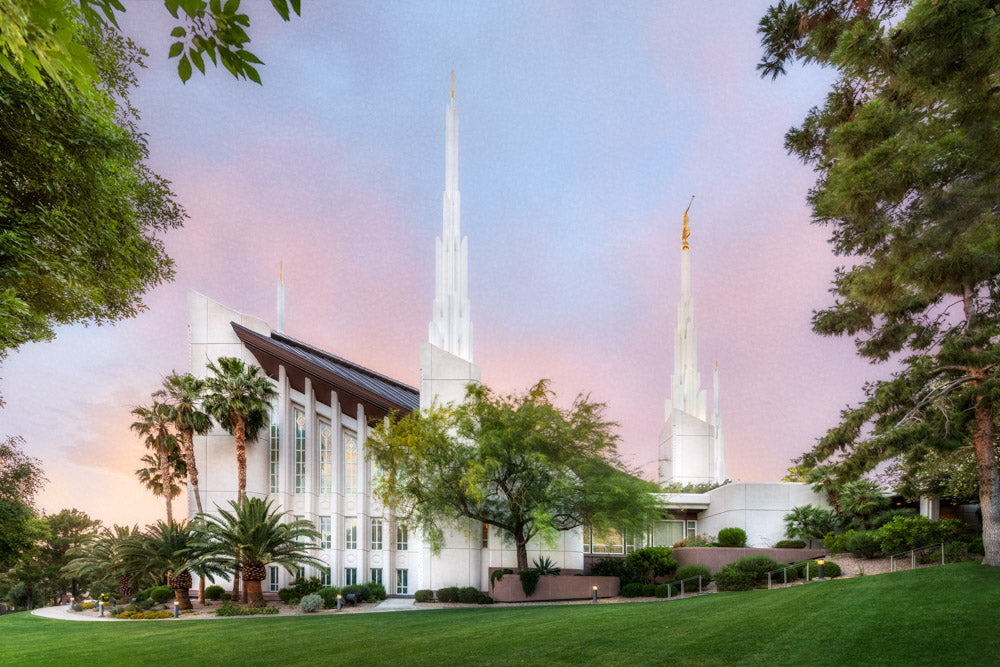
x=584 y=131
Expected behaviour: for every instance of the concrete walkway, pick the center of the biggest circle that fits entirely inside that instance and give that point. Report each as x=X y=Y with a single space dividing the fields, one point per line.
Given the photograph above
x=64 y=613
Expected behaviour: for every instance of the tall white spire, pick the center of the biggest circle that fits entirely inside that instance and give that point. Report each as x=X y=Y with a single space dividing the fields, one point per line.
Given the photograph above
x=685 y=382
x=718 y=443
x=451 y=326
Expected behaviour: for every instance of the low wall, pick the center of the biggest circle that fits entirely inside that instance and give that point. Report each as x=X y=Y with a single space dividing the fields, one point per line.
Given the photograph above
x=715 y=557
x=555 y=587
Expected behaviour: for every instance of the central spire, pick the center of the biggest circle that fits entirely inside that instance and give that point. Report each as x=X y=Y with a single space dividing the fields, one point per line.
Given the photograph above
x=685 y=383
x=451 y=326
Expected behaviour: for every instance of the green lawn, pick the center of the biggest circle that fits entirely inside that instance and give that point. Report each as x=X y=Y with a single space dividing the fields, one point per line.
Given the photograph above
x=943 y=615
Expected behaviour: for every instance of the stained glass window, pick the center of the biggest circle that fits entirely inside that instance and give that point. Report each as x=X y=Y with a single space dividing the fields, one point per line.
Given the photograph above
x=376 y=536
x=300 y=451
x=350 y=463
x=351 y=532
x=273 y=454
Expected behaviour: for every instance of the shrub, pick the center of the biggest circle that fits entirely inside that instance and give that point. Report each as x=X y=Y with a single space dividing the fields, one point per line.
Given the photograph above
x=143 y=594
x=632 y=590
x=758 y=566
x=886 y=516
x=693 y=570
x=161 y=594
x=648 y=590
x=904 y=533
x=732 y=578
x=329 y=595
x=862 y=544
x=976 y=546
x=696 y=541
x=424 y=595
x=360 y=592
x=651 y=562
x=529 y=579
x=213 y=592
x=732 y=537
x=484 y=599
x=310 y=603
x=955 y=552
x=662 y=591
x=89 y=605
x=143 y=615
x=468 y=595
x=793 y=544
x=375 y=591
x=229 y=609
x=611 y=567
x=448 y=594
x=835 y=543
x=77 y=606
x=286 y=595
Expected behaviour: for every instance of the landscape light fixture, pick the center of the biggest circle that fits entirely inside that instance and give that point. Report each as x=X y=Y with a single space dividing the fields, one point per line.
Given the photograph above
x=340 y=601
x=595 y=594
x=100 y=608
x=819 y=575
x=176 y=608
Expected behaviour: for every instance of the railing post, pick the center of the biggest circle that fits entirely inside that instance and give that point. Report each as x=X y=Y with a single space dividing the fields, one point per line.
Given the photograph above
x=913 y=559
x=682 y=589
x=699 y=583
x=768 y=581
x=942 y=553
x=784 y=574
x=807 y=572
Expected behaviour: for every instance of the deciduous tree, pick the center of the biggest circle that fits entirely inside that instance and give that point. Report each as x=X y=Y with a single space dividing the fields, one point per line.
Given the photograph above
x=519 y=463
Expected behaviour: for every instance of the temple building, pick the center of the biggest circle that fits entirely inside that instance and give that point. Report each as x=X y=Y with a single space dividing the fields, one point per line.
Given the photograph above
x=311 y=459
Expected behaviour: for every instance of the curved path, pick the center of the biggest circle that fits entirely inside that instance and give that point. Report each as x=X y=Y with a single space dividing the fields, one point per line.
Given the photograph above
x=64 y=612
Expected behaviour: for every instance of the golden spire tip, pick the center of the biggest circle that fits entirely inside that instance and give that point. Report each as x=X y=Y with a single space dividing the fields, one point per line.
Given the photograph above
x=685 y=230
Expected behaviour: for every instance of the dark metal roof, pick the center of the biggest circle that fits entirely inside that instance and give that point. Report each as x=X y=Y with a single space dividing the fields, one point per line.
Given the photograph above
x=379 y=393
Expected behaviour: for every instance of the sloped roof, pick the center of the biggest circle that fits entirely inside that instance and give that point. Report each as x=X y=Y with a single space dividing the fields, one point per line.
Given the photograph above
x=327 y=372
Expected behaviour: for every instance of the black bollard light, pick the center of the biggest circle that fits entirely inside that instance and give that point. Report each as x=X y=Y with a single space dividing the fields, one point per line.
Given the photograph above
x=340 y=601
x=595 y=594
x=819 y=565
x=100 y=608
x=176 y=609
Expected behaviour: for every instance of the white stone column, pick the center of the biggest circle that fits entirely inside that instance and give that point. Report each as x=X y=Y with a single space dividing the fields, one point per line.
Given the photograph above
x=337 y=497
x=284 y=438
x=362 y=497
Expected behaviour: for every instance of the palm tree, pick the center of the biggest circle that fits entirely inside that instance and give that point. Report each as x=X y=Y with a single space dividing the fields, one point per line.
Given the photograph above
x=154 y=423
x=252 y=536
x=239 y=397
x=166 y=553
x=810 y=522
x=151 y=474
x=182 y=395
x=101 y=558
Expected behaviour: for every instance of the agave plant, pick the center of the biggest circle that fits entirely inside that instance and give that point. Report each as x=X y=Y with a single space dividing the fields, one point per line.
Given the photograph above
x=545 y=565
x=252 y=535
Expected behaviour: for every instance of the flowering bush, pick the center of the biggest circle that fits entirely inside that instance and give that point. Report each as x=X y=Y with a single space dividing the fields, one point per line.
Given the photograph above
x=696 y=541
x=143 y=615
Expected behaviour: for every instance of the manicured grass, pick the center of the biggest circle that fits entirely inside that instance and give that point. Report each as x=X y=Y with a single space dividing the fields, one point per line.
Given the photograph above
x=942 y=615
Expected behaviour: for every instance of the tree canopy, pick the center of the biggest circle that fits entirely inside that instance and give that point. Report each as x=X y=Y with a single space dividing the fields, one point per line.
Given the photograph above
x=80 y=213
x=40 y=38
x=905 y=150
x=518 y=463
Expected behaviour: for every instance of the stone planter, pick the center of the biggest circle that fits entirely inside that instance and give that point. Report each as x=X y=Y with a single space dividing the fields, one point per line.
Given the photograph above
x=715 y=557
x=555 y=587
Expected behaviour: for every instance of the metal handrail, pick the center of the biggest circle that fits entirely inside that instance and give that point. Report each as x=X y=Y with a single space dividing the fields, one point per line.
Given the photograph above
x=784 y=571
x=670 y=590
x=913 y=556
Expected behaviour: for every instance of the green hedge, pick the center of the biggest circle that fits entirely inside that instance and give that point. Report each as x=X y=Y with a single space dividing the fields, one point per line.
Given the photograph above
x=214 y=592
x=633 y=590
x=732 y=578
x=448 y=594
x=424 y=595
x=732 y=537
x=790 y=544
x=693 y=570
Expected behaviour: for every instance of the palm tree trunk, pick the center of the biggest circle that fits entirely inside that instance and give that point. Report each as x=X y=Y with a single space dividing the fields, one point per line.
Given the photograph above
x=165 y=479
x=237 y=575
x=241 y=458
x=192 y=469
x=255 y=594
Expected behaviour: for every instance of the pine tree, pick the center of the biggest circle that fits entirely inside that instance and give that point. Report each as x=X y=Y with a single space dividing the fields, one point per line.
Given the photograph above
x=906 y=151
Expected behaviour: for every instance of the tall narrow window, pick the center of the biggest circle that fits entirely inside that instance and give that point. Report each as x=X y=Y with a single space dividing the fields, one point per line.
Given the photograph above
x=324 y=577
x=273 y=452
x=325 y=533
x=350 y=463
x=325 y=457
x=272 y=579
x=300 y=451
x=486 y=535
x=376 y=536
x=376 y=575
x=299 y=517
x=351 y=532
x=350 y=576
x=300 y=574
x=586 y=539
x=402 y=585
x=692 y=529
x=401 y=537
